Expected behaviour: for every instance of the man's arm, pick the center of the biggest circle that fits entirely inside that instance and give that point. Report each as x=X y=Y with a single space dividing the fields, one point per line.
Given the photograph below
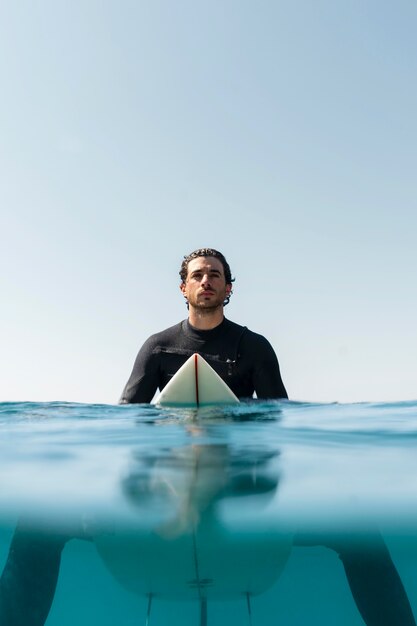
x=267 y=376
x=144 y=379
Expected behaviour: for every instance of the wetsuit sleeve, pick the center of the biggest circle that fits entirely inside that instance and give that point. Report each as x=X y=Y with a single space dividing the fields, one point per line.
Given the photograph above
x=144 y=379
x=267 y=376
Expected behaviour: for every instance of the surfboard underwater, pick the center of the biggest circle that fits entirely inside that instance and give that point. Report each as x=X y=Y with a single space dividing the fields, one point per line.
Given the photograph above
x=213 y=562
x=196 y=384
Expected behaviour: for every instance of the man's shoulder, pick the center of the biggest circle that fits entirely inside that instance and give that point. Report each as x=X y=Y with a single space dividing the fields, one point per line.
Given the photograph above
x=165 y=336
x=253 y=343
x=247 y=334
x=230 y=326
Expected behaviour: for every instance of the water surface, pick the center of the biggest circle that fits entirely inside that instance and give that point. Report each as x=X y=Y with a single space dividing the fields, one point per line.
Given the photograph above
x=217 y=515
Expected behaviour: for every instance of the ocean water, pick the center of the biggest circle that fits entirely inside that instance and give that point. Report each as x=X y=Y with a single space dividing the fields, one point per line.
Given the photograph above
x=263 y=514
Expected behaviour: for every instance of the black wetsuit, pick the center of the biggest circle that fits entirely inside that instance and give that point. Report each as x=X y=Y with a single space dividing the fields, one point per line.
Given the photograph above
x=242 y=358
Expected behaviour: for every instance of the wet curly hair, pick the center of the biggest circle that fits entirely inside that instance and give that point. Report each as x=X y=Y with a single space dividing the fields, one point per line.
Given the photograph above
x=208 y=252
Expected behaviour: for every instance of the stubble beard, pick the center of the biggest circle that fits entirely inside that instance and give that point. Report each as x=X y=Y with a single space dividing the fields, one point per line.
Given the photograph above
x=206 y=308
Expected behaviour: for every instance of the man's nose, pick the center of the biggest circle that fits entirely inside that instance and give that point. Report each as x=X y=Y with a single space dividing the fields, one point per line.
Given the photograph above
x=205 y=279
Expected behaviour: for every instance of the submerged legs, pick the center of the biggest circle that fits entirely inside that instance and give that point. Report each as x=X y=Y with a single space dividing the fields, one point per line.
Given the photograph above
x=376 y=586
x=373 y=578
x=28 y=582
x=29 y=578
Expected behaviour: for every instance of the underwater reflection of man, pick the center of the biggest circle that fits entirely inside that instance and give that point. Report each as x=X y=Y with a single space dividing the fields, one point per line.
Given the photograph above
x=208 y=474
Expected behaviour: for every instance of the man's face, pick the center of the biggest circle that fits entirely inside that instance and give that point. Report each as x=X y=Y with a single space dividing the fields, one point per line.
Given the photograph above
x=205 y=286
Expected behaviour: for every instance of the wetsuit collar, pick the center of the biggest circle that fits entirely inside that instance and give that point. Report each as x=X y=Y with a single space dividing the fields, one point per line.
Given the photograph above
x=192 y=330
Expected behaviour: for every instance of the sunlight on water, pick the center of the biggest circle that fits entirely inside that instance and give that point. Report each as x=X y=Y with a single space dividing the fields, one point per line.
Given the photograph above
x=262 y=513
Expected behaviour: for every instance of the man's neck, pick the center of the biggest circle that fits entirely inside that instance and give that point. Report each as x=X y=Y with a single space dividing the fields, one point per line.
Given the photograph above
x=205 y=320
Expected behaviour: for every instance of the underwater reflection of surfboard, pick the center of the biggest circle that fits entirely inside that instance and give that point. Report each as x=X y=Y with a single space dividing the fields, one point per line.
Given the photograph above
x=196 y=384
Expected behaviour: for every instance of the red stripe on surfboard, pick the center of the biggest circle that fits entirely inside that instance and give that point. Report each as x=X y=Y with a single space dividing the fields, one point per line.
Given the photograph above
x=196 y=379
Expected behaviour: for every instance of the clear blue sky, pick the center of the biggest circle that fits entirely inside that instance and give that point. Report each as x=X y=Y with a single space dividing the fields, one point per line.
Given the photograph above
x=282 y=133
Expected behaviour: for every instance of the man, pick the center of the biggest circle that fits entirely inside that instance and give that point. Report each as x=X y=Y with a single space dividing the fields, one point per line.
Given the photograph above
x=242 y=358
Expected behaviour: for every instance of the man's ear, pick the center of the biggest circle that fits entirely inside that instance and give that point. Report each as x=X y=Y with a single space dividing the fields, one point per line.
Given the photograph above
x=182 y=287
x=228 y=289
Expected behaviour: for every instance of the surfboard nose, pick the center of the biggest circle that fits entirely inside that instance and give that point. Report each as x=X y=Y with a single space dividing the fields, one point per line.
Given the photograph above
x=196 y=384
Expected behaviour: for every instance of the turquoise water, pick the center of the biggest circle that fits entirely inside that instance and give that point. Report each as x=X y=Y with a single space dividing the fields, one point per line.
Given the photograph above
x=245 y=515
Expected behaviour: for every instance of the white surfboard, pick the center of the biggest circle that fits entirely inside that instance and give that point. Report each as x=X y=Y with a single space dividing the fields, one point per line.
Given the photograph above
x=196 y=384
x=214 y=562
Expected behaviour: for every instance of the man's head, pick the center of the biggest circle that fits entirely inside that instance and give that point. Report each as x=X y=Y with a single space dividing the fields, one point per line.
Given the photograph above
x=206 y=279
